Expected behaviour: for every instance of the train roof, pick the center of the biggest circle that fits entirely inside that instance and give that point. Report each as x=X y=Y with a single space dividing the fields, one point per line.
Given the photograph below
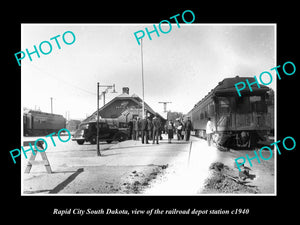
x=226 y=87
x=30 y=111
x=101 y=120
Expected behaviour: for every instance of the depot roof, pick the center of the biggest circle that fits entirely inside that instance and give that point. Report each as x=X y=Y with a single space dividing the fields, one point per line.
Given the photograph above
x=125 y=96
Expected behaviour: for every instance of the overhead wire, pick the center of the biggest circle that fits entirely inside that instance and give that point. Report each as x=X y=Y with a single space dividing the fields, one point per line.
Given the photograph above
x=61 y=80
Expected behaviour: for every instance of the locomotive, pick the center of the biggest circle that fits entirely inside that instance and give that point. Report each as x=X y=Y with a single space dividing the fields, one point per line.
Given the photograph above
x=40 y=123
x=239 y=122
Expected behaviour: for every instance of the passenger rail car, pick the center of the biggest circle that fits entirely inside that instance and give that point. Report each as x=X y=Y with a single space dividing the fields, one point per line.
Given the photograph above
x=239 y=122
x=37 y=123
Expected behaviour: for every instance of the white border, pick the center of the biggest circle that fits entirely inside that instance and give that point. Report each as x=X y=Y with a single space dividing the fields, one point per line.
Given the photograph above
x=142 y=24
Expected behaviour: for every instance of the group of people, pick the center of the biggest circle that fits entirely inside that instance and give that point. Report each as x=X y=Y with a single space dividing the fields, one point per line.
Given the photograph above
x=182 y=129
x=146 y=128
x=151 y=129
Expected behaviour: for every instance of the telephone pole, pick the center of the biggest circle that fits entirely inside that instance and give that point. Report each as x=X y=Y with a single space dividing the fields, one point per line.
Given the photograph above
x=98 y=97
x=98 y=147
x=143 y=85
x=51 y=105
x=165 y=105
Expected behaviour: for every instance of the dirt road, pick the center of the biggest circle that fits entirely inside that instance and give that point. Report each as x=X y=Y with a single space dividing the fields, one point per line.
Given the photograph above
x=124 y=168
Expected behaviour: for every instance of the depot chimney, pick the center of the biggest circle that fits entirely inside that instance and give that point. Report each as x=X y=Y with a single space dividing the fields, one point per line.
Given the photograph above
x=126 y=90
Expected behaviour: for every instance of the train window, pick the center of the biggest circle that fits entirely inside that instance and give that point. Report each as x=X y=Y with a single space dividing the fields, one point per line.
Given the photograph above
x=255 y=98
x=201 y=115
x=243 y=105
x=257 y=104
x=224 y=106
x=211 y=109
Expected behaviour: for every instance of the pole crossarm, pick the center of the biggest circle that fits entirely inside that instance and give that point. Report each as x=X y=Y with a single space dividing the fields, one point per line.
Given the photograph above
x=106 y=90
x=165 y=105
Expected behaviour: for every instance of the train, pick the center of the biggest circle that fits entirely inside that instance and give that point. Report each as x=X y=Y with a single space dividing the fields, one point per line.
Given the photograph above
x=239 y=122
x=36 y=123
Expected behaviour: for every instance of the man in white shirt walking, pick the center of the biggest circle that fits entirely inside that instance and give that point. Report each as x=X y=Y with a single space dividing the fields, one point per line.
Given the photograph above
x=209 y=131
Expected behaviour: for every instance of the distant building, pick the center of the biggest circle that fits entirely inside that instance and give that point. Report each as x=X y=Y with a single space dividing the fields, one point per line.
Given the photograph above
x=174 y=115
x=124 y=108
x=72 y=125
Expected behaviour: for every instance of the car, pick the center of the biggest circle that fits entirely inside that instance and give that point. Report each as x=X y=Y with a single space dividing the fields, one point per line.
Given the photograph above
x=87 y=132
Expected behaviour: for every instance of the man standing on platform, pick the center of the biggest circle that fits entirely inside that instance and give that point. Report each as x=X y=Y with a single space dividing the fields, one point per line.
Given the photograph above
x=149 y=128
x=144 y=127
x=156 y=123
x=188 y=127
x=137 y=128
x=134 y=122
x=209 y=131
x=130 y=128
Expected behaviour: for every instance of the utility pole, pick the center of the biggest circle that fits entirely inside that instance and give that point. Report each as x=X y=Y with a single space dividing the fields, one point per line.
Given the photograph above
x=165 y=105
x=98 y=147
x=51 y=105
x=103 y=93
x=143 y=86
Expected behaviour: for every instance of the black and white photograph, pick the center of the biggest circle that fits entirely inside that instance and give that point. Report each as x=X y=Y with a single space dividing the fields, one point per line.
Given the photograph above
x=149 y=111
x=161 y=109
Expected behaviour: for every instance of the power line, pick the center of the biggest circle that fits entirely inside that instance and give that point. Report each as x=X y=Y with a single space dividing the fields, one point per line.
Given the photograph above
x=61 y=80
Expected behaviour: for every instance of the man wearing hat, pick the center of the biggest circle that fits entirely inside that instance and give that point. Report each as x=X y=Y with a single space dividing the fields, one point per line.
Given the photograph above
x=144 y=129
x=156 y=124
x=136 y=128
x=188 y=127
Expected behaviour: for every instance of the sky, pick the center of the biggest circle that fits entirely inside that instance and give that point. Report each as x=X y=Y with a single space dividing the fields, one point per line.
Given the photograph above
x=181 y=66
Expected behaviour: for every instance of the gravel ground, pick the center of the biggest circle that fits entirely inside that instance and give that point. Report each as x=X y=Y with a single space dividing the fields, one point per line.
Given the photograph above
x=125 y=180
x=262 y=181
x=94 y=180
x=224 y=180
x=139 y=180
x=124 y=168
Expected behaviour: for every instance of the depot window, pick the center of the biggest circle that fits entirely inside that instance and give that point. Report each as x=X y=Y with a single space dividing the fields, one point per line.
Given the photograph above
x=123 y=125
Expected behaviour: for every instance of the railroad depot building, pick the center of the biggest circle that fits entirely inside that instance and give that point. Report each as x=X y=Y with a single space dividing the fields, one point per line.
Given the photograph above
x=124 y=108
